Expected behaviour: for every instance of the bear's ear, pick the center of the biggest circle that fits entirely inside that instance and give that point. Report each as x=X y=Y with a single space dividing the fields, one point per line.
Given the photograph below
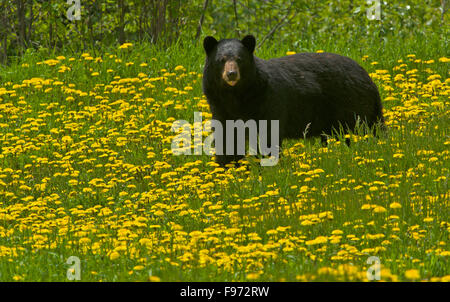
x=249 y=42
x=209 y=43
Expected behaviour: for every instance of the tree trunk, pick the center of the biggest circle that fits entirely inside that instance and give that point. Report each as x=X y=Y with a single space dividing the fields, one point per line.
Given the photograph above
x=443 y=9
x=21 y=26
x=122 y=22
x=202 y=18
x=30 y=23
x=236 y=18
x=4 y=31
x=158 y=18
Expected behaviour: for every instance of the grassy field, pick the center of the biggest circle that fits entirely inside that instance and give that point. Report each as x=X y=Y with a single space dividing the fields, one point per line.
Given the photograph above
x=86 y=170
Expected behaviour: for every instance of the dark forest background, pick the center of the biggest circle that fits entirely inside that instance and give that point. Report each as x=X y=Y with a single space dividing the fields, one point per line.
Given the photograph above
x=44 y=24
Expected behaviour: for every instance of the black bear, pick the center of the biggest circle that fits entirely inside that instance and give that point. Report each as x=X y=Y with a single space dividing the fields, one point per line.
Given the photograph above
x=312 y=94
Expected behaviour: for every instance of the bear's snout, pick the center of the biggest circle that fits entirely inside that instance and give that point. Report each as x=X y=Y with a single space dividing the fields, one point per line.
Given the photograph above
x=231 y=73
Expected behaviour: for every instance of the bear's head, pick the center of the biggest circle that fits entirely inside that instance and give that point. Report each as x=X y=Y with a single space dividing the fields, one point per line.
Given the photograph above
x=231 y=60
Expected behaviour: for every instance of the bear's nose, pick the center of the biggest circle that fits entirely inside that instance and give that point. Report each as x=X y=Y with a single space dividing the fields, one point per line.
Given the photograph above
x=232 y=75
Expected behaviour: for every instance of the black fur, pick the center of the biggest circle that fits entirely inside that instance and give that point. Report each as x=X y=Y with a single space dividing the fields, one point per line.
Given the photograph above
x=313 y=92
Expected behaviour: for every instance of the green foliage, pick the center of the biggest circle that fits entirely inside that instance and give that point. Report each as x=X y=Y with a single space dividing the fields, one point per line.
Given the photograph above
x=44 y=24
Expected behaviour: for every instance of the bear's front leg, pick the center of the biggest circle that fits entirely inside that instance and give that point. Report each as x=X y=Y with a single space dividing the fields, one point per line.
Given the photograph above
x=226 y=146
x=224 y=160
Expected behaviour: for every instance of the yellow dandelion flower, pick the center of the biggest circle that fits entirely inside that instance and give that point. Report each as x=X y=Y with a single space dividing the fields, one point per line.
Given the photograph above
x=395 y=205
x=379 y=209
x=412 y=274
x=252 y=276
x=114 y=255
x=17 y=278
x=125 y=45
x=366 y=206
x=138 y=268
